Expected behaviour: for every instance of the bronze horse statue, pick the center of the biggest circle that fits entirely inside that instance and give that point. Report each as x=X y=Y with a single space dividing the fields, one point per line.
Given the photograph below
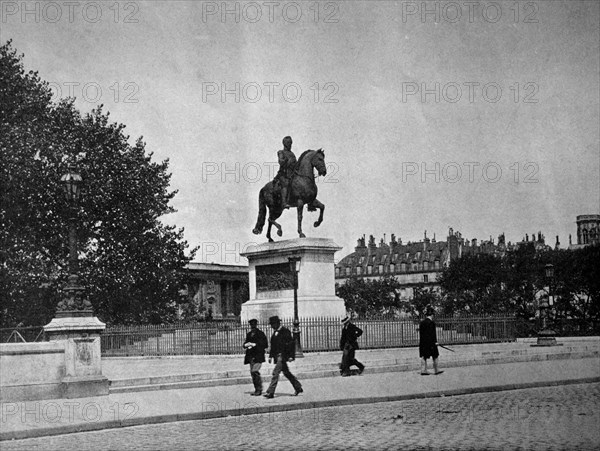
x=303 y=190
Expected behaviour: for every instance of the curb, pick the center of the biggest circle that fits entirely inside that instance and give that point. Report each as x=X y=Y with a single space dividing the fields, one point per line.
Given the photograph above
x=169 y=418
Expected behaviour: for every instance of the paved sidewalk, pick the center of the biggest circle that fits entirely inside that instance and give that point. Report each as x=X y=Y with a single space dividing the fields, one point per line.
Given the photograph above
x=150 y=373
x=60 y=416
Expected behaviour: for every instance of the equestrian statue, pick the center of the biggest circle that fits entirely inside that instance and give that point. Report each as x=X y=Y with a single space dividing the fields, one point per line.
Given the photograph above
x=294 y=185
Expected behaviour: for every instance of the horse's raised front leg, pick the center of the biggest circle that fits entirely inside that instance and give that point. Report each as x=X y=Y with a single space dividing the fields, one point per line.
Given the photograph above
x=300 y=212
x=313 y=206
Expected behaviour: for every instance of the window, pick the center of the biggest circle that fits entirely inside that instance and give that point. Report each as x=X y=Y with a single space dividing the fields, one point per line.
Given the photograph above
x=347 y=270
x=337 y=272
x=425 y=278
x=369 y=269
x=392 y=268
x=359 y=270
x=426 y=265
x=380 y=269
x=403 y=267
x=437 y=264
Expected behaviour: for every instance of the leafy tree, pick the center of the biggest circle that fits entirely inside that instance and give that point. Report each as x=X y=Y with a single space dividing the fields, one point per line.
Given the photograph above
x=473 y=284
x=422 y=298
x=130 y=262
x=365 y=297
x=523 y=279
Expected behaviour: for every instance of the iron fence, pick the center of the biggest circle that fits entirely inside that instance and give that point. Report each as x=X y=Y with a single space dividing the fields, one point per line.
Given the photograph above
x=317 y=334
x=22 y=334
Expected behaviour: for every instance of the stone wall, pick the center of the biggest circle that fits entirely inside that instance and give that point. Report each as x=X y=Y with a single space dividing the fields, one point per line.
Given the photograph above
x=30 y=371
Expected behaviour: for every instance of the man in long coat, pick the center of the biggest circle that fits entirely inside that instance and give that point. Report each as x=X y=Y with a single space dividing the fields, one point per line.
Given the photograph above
x=282 y=351
x=255 y=345
x=428 y=343
x=349 y=345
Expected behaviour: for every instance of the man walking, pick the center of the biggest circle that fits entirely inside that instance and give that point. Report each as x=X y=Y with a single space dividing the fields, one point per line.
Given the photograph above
x=282 y=351
x=255 y=345
x=428 y=343
x=349 y=345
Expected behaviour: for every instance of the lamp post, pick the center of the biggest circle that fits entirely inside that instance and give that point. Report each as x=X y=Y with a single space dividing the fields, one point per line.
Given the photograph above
x=74 y=324
x=546 y=337
x=295 y=268
x=74 y=302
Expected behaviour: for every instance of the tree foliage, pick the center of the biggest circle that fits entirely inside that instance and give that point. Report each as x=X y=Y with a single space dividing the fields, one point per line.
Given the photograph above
x=130 y=261
x=473 y=284
x=366 y=297
x=516 y=282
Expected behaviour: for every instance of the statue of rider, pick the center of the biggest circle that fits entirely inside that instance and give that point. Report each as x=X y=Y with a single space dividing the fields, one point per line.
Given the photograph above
x=287 y=165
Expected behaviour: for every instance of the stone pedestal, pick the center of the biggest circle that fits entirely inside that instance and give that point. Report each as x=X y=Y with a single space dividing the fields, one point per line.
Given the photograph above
x=316 y=280
x=83 y=367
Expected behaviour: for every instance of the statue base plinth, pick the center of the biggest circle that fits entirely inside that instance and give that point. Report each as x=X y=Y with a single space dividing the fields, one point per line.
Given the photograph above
x=316 y=281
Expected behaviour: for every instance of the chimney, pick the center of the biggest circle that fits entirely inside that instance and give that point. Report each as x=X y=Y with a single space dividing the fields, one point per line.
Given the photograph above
x=570 y=241
x=474 y=242
x=393 y=241
x=557 y=245
x=372 y=244
x=360 y=244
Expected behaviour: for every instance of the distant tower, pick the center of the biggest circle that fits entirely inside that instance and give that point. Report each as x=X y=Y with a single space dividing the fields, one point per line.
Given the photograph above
x=588 y=229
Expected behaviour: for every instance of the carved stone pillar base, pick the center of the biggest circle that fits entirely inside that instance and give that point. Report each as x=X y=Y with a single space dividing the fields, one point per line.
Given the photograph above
x=83 y=366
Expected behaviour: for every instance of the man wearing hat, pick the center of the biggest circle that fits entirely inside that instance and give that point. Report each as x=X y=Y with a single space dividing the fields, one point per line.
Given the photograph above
x=428 y=343
x=349 y=345
x=282 y=350
x=255 y=345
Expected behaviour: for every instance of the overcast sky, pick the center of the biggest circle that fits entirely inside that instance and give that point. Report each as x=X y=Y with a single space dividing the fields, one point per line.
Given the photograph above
x=480 y=116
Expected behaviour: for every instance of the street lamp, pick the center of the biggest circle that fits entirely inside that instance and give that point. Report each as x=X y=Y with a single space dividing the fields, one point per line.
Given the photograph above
x=295 y=268
x=546 y=337
x=74 y=302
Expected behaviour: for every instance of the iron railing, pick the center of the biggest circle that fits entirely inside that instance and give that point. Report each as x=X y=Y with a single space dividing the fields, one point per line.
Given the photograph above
x=317 y=334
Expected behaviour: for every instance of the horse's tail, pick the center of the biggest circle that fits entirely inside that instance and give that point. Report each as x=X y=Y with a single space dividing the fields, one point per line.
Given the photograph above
x=262 y=213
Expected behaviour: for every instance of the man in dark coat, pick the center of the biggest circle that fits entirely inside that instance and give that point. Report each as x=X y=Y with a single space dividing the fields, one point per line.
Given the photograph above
x=282 y=350
x=428 y=343
x=255 y=345
x=349 y=345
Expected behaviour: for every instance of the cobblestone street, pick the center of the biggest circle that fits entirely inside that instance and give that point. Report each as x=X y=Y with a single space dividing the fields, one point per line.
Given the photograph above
x=563 y=418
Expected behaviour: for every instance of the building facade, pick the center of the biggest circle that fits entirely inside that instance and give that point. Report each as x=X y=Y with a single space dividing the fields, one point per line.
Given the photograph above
x=215 y=291
x=418 y=264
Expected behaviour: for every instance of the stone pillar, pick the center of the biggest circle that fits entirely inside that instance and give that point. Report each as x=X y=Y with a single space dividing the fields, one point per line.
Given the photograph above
x=80 y=336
